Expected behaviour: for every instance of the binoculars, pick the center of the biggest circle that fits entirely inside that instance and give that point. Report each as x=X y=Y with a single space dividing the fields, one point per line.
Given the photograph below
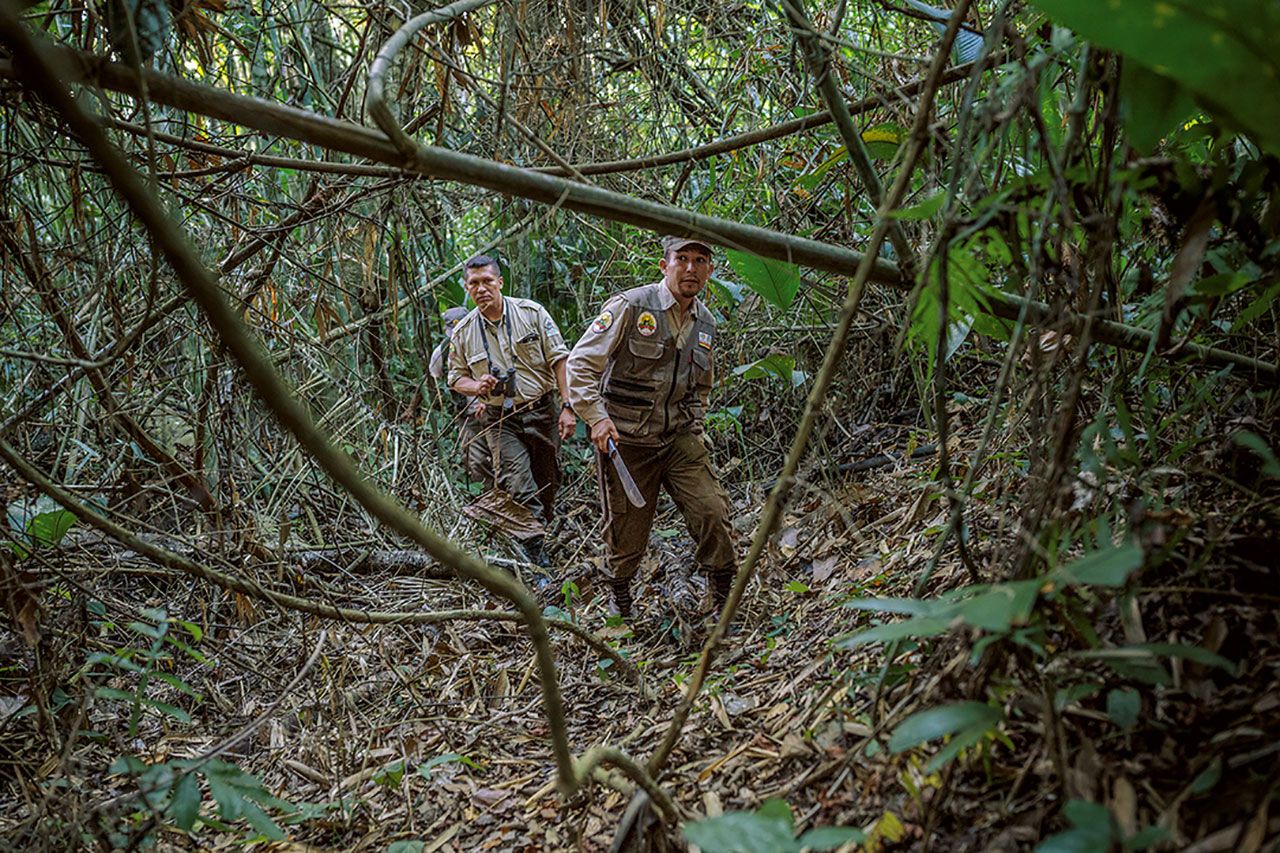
x=506 y=387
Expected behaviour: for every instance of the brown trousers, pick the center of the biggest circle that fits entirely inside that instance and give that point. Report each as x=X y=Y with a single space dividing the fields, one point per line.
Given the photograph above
x=527 y=441
x=682 y=467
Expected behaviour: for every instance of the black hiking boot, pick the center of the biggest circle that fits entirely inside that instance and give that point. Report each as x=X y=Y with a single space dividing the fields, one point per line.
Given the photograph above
x=535 y=551
x=721 y=584
x=621 y=597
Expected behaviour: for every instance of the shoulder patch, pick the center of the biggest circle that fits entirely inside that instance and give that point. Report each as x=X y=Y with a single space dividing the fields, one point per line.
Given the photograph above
x=704 y=340
x=550 y=326
x=646 y=323
x=603 y=322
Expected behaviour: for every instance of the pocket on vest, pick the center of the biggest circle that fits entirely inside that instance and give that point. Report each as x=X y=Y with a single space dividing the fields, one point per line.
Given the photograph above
x=649 y=350
x=628 y=413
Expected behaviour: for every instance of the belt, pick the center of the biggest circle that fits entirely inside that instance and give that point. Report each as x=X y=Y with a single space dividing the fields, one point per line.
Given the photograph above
x=523 y=406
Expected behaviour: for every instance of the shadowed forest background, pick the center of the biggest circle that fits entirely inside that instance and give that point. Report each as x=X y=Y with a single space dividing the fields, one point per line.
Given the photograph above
x=995 y=406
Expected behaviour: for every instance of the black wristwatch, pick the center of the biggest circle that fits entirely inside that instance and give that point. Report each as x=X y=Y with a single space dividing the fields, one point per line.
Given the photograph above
x=568 y=407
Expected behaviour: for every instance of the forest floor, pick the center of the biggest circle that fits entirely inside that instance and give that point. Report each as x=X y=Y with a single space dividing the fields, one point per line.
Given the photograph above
x=437 y=733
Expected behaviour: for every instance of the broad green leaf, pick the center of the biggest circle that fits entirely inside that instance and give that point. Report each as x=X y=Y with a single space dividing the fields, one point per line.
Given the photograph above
x=1091 y=830
x=884 y=140
x=49 y=528
x=781 y=366
x=777 y=809
x=1256 y=308
x=1222 y=284
x=1222 y=51
x=959 y=742
x=259 y=820
x=910 y=606
x=920 y=626
x=923 y=210
x=186 y=802
x=831 y=837
x=1153 y=106
x=406 y=847
x=1123 y=706
x=934 y=723
x=741 y=832
x=1108 y=567
x=1001 y=606
x=776 y=281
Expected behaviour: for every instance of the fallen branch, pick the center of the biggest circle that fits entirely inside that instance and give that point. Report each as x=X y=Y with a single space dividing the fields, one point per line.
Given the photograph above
x=253 y=589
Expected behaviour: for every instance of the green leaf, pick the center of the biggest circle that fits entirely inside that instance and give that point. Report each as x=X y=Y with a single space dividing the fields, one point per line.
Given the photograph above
x=776 y=281
x=1254 y=442
x=1207 y=778
x=910 y=606
x=742 y=832
x=1123 y=706
x=781 y=366
x=259 y=820
x=776 y=808
x=1001 y=606
x=1108 y=567
x=1256 y=308
x=921 y=626
x=1091 y=830
x=959 y=742
x=1222 y=284
x=1144 y=838
x=1153 y=106
x=934 y=723
x=923 y=210
x=186 y=802
x=391 y=774
x=1221 y=52
x=884 y=140
x=831 y=837
x=1147 y=652
x=425 y=768
x=49 y=528
x=405 y=847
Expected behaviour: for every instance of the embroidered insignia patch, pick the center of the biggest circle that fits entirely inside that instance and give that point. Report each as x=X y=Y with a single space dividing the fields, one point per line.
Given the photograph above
x=704 y=340
x=550 y=326
x=603 y=322
x=646 y=323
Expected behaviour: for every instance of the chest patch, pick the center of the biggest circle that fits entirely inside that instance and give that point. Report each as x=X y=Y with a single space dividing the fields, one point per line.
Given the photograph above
x=603 y=322
x=704 y=340
x=646 y=323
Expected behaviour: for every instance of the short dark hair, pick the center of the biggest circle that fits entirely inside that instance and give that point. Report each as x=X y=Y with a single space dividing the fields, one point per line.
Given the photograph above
x=479 y=262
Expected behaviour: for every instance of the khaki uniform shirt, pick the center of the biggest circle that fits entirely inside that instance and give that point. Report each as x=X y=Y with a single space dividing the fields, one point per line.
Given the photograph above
x=678 y=389
x=524 y=336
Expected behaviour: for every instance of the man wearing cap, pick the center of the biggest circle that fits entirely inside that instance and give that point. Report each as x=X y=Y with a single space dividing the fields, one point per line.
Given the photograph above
x=640 y=376
x=508 y=353
x=440 y=355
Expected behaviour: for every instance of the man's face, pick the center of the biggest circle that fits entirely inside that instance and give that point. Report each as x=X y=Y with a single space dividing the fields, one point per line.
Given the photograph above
x=483 y=285
x=686 y=271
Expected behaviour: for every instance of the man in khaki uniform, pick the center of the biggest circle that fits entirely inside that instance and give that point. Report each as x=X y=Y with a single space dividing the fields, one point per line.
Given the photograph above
x=509 y=354
x=641 y=375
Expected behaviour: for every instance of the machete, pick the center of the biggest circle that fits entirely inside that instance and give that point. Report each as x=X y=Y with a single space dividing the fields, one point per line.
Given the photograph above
x=628 y=484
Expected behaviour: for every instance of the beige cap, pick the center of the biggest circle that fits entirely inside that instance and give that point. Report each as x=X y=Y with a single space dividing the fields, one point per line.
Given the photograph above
x=675 y=244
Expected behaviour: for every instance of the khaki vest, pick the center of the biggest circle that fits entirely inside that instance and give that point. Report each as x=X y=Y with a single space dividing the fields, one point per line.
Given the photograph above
x=650 y=385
